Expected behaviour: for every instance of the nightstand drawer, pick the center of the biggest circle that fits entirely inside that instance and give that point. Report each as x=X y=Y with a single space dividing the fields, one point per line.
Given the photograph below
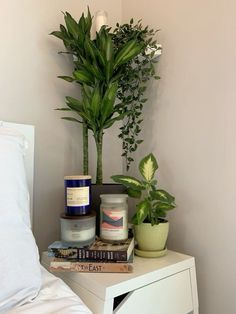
x=171 y=295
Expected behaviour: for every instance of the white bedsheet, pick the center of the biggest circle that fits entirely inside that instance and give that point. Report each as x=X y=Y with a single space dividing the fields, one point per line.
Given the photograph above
x=55 y=297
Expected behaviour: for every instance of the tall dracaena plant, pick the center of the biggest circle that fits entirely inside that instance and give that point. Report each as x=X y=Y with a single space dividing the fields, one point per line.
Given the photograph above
x=73 y=35
x=98 y=70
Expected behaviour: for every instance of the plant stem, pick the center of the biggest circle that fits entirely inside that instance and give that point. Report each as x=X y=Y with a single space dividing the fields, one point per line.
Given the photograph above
x=85 y=148
x=98 y=139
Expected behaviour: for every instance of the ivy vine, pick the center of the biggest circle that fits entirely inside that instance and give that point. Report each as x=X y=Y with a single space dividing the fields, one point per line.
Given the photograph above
x=133 y=82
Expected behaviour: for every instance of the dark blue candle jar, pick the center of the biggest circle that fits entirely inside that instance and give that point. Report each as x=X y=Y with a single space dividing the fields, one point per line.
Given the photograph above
x=77 y=195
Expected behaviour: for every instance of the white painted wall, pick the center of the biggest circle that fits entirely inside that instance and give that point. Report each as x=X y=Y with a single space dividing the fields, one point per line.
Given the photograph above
x=30 y=91
x=190 y=124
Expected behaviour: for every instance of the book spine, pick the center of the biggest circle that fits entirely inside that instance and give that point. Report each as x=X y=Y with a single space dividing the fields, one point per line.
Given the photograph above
x=102 y=255
x=91 y=267
x=85 y=254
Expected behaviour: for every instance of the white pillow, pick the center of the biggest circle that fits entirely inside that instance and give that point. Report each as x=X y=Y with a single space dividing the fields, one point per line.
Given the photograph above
x=20 y=276
x=13 y=147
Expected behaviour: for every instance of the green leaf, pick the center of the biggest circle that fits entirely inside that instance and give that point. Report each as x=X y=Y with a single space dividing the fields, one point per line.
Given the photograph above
x=129 y=182
x=71 y=119
x=96 y=102
x=71 y=24
x=109 y=70
x=161 y=213
x=88 y=21
x=109 y=48
x=101 y=41
x=164 y=206
x=141 y=212
x=66 y=78
x=83 y=77
x=107 y=108
x=121 y=54
x=90 y=48
x=134 y=193
x=74 y=104
x=87 y=90
x=162 y=196
x=63 y=109
x=82 y=24
x=148 y=166
x=100 y=58
x=58 y=35
x=110 y=122
x=131 y=49
x=64 y=31
x=91 y=69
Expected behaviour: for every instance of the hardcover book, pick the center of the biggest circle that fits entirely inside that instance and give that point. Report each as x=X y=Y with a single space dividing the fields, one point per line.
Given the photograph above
x=98 y=251
x=60 y=264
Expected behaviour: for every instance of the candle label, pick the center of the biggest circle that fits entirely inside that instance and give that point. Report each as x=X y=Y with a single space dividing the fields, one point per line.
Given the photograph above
x=77 y=196
x=113 y=224
x=80 y=235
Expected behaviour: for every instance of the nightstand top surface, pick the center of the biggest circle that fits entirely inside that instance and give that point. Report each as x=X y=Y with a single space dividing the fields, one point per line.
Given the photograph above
x=145 y=271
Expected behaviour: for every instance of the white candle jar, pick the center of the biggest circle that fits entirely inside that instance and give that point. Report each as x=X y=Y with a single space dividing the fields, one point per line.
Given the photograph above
x=114 y=217
x=78 y=229
x=100 y=19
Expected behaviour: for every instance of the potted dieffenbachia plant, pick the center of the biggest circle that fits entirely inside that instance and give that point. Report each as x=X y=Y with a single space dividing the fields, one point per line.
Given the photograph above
x=151 y=227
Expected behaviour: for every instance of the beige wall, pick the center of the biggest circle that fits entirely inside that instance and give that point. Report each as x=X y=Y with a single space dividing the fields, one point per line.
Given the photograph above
x=189 y=121
x=30 y=91
x=190 y=126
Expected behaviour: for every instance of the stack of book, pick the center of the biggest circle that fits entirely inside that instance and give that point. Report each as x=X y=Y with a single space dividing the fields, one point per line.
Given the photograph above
x=99 y=257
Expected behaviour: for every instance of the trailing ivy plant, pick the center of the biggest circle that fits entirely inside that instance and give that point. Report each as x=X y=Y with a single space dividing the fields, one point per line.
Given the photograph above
x=154 y=202
x=133 y=82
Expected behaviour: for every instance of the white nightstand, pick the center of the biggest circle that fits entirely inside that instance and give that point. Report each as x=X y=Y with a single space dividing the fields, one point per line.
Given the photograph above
x=165 y=285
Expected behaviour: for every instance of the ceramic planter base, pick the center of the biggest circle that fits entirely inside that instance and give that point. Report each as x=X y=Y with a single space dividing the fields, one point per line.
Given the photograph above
x=150 y=253
x=151 y=240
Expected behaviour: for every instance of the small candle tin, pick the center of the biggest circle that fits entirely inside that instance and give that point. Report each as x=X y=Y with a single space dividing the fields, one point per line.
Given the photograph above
x=77 y=195
x=78 y=229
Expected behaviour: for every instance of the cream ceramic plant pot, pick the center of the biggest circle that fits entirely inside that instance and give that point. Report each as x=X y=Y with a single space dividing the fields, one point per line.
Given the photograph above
x=151 y=238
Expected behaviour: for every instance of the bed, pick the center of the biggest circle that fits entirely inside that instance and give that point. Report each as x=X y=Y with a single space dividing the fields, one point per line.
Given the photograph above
x=26 y=286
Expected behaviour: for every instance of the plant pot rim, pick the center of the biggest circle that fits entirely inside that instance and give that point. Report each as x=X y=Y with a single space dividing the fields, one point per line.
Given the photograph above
x=164 y=221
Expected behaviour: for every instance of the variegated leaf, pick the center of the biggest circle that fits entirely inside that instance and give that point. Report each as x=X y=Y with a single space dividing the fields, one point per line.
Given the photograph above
x=128 y=181
x=147 y=167
x=142 y=212
x=162 y=195
x=164 y=206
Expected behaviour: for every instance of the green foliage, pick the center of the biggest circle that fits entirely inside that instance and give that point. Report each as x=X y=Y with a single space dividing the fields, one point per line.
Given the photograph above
x=133 y=82
x=154 y=202
x=98 y=68
x=74 y=34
